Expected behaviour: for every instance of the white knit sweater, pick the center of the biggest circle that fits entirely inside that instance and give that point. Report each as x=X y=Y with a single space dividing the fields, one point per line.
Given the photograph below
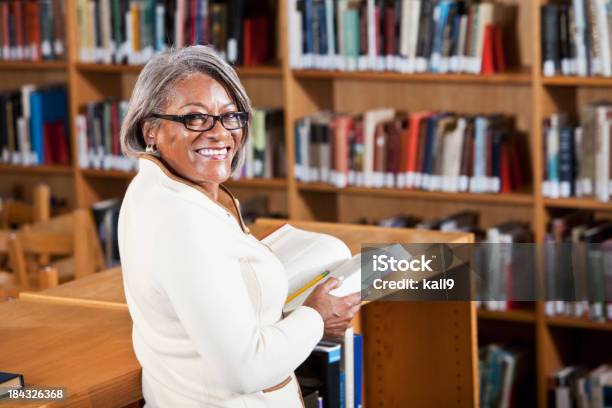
x=206 y=297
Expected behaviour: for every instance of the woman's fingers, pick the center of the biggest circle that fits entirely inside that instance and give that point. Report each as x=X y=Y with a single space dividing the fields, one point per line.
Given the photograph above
x=329 y=285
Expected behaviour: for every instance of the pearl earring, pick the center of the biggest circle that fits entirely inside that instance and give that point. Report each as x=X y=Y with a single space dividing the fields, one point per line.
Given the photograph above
x=151 y=148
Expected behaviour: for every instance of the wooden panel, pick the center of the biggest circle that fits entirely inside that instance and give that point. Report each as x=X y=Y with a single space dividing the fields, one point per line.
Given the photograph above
x=420 y=354
x=88 y=350
x=353 y=209
x=12 y=80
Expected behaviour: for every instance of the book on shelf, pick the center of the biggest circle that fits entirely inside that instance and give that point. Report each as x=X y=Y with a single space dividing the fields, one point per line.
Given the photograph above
x=334 y=369
x=33 y=125
x=98 y=130
x=265 y=148
x=132 y=31
x=577 y=157
x=427 y=150
x=106 y=218
x=32 y=30
x=577 y=38
x=579 y=386
x=504 y=375
x=310 y=258
x=578 y=266
x=441 y=36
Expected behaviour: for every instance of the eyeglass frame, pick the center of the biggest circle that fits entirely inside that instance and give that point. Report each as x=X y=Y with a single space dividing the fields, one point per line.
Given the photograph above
x=216 y=118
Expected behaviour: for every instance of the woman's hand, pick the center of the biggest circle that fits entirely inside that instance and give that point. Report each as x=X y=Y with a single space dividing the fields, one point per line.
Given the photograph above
x=337 y=312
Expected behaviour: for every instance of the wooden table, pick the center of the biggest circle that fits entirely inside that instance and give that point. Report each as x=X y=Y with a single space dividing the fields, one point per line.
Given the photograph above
x=88 y=350
x=103 y=289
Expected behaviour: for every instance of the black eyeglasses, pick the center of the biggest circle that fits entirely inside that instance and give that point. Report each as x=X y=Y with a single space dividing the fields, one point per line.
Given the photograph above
x=201 y=122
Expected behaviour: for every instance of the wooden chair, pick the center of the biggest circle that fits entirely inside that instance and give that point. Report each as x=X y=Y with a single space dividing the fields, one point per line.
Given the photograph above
x=27 y=247
x=17 y=213
x=8 y=286
x=70 y=237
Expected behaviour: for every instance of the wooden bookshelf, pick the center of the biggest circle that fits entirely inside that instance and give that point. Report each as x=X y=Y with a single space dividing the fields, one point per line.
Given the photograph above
x=523 y=92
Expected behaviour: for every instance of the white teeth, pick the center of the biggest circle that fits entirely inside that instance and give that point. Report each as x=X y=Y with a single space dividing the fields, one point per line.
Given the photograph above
x=213 y=152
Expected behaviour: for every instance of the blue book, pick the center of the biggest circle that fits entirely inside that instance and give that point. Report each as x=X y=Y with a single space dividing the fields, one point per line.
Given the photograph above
x=358 y=368
x=441 y=11
x=36 y=125
x=308 y=16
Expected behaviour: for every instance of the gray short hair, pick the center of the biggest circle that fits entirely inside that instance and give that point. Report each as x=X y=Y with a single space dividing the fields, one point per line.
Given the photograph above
x=154 y=86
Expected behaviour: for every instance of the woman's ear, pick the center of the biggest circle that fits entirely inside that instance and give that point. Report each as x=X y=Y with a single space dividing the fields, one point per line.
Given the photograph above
x=149 y=133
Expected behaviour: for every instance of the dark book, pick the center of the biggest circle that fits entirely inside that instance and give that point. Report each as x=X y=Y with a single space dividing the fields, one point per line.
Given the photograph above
x=10 y=381
x=106 y=217
x=321 y=371
x=550 y=39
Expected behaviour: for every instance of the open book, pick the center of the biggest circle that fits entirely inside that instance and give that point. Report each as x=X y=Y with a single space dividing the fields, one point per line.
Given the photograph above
x=309 y=259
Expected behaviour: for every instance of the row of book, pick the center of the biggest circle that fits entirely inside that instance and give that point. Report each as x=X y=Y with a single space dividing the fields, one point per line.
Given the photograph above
x=504 y=371
x=577 y=38
x=406 y=36
x=591 y=273
x=265 y=149
x=577 y=157
x=98 y=129
x=579 y=386
x=32 y=30
x=34 y=126
x=132 y=31
x=434 y=151
x=334 y=373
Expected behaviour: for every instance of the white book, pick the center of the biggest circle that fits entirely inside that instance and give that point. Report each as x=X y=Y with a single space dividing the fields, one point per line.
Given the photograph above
x=604 y=36
x=348 y=361
x=370 y=119
x=307 y=256
x=24 y=141
x=371 y=34
x=81 y=128
x=579 y=40
x=406 y=19
x=602 y=155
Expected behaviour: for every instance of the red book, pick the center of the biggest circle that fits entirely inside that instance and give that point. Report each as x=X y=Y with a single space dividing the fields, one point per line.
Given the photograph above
x=389 y=30
x=19 y=26
x=4 y=9
x=48 y=143
x=506 y=182
x=62 y=155
x=498 y=46
x=376 y=22
x=487 y=52
x=192 y=21
x=246 y=43
x=33 y=23
x=515 y=164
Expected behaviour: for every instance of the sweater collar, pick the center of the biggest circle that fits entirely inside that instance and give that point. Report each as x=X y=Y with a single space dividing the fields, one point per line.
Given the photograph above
x=175 y=177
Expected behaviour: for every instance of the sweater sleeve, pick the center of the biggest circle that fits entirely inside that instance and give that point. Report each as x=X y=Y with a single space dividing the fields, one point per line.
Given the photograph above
x=206 y=287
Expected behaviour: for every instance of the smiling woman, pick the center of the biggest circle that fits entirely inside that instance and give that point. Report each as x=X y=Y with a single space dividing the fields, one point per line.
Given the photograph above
x=206 y=296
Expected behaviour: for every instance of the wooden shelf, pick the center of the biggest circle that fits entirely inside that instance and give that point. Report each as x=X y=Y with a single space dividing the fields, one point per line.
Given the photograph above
x=35 y=170
x=108 y=174
x=244 y=183
x=258 y=183
x=33 y=66
x=560 y=321
x=578 y=203
x=567 y=80
x=518 y=77
x=261 y=71
x=523 y=316
x=524 y=199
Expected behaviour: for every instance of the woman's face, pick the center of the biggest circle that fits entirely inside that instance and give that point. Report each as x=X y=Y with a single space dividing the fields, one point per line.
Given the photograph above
x=188 y=152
